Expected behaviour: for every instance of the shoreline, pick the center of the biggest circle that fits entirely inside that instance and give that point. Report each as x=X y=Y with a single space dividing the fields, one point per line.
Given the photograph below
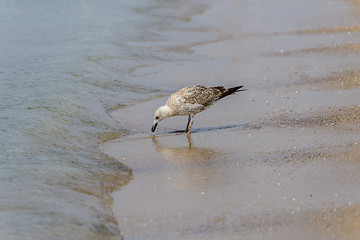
x=279 y=161
x=206 y=173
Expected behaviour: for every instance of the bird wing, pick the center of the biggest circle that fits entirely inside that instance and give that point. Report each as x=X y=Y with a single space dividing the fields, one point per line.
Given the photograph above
x=197 y=95
x=207 y=96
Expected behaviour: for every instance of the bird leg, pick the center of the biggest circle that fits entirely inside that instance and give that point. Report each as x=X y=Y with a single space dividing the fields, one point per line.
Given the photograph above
x=188 y=128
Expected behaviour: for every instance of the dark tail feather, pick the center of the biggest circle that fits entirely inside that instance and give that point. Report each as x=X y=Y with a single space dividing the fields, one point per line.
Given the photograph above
x=231 y=91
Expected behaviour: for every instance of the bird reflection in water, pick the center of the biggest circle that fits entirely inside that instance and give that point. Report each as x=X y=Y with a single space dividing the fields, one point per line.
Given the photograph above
x=193 y=166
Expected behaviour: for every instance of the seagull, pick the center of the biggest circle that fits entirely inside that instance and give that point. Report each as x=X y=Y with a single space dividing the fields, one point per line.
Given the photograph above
x=190 y=101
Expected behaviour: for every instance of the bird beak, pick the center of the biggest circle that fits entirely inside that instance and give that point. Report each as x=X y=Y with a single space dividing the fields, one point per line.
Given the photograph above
x=154 y=127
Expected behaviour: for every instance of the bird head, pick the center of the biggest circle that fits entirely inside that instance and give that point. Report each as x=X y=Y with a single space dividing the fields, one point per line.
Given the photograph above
x=160 y=114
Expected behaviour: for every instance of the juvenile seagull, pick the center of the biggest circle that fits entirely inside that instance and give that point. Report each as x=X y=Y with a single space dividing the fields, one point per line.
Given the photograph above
x=190 y=101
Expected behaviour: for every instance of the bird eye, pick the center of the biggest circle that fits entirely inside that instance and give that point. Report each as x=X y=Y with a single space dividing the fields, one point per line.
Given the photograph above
x=157 y=118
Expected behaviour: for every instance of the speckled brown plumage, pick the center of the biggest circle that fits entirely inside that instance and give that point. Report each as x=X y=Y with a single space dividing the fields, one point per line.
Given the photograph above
x=190 y=101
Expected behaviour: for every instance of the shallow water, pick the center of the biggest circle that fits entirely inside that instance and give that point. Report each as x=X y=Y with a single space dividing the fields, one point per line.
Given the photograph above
x=276 y=162
x=63 y=66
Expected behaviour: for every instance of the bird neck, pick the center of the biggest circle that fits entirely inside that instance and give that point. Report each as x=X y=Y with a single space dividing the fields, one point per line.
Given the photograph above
x=166 y=110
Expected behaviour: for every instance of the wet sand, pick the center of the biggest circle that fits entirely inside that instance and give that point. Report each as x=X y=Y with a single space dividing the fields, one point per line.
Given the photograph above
x=279 y=161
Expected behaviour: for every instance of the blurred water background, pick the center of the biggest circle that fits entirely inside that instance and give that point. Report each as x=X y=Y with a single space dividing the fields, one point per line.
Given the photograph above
x=63 y=65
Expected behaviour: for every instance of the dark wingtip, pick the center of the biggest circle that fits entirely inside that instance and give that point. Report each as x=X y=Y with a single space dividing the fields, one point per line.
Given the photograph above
x=239 y=90
x=231 y=91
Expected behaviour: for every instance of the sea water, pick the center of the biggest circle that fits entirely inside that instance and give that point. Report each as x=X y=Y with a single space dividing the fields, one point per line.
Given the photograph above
x=63 y=66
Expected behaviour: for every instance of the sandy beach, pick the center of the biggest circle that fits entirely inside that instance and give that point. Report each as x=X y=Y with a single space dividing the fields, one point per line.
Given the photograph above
x=279 y=161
